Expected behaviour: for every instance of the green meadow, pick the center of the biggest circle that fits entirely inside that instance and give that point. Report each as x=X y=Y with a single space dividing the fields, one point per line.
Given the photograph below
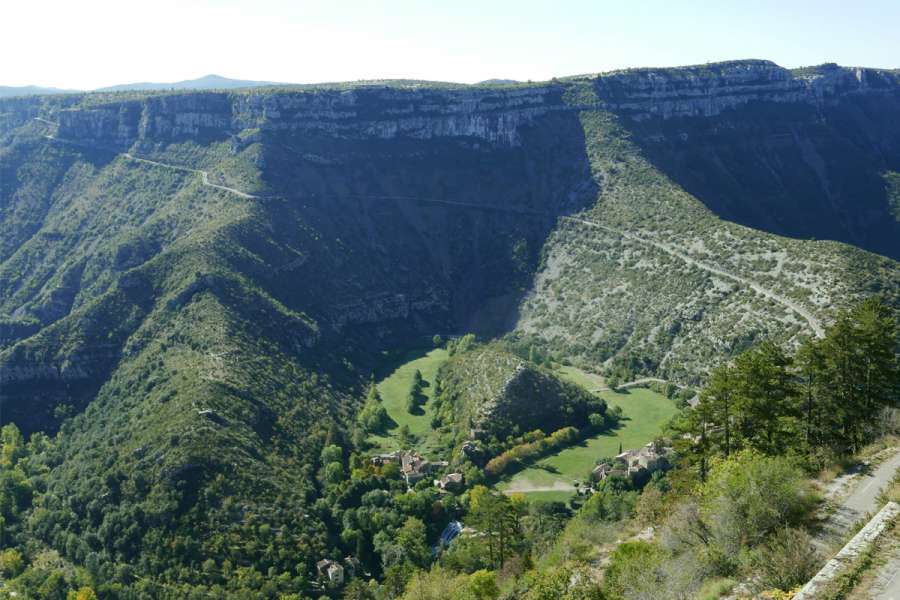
x=644 y=412
x=394 y=389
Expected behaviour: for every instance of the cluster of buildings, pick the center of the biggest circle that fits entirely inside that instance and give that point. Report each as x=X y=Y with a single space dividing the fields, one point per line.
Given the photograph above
x=414 y=468
x=631 y=463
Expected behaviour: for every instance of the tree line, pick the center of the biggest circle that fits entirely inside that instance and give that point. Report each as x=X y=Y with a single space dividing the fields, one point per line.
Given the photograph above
x=823 y=400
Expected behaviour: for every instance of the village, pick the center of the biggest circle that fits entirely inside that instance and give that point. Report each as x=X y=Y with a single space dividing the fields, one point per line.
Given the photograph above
x=634 y=465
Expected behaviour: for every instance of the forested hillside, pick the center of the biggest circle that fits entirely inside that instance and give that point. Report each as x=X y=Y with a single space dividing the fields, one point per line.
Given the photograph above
x=195 y=289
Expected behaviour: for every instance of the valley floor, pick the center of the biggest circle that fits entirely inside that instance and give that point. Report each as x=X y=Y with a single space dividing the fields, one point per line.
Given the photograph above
x=645 y=414
x=394 y=390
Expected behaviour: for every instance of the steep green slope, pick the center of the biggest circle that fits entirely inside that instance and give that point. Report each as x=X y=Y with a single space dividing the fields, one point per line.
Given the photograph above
x=199 y=346
x=202 y=403
x=197 y=337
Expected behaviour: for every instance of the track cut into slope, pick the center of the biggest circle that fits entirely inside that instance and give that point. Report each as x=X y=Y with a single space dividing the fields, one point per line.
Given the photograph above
x=814 y=323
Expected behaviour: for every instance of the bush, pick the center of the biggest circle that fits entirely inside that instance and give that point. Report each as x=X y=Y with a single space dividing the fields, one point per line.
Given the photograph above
x=749 y=496
x=786 y=560
x=11 y=563
x=635 y=571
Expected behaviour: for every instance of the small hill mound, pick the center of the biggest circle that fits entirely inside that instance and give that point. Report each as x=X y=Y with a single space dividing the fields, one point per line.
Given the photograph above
x=490 y=392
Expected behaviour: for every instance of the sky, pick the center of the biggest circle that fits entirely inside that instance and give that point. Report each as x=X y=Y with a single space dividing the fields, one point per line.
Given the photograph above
x=84 y=44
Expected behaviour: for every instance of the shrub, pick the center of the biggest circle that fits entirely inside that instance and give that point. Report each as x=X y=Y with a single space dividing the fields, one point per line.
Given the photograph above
x=749 y=496
x=11 y=563
x=786 y=560
x=635 y=571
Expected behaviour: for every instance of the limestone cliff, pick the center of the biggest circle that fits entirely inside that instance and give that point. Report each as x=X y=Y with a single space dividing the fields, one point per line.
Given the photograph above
x=707 y=90
x=492 y=113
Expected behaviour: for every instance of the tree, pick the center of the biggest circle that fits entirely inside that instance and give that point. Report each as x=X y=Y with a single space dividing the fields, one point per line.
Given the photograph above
x=373 y=417
x=411 y=537
x=748 y=496
x=437 y=584
x=332 y=453
x=415 y=398
x=497 y=518
x=763 y=391
x=437 y=341
x=358 y=589
x=11 y=563
x=482 y=585
x=334 y=472
x=860 y=374
x=718 y=400
x=810 y=362
x=84 y=593
x=406 y=436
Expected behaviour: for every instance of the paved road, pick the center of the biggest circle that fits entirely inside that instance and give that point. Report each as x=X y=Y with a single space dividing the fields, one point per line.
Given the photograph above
x=862 y=500
x=887 y=583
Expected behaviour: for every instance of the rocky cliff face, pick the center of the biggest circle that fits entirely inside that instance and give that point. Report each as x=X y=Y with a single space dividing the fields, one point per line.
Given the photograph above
x=370 y=112
x=495 y=115
x=711 y=89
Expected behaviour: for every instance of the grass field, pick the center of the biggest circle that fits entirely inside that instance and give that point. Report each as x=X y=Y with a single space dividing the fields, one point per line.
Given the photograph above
x=394 y=389
x=645 y=413
x=589 y=381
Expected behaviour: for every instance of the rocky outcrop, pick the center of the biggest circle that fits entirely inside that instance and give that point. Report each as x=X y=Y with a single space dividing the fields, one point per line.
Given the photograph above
x=495 y=393
x=382 y=307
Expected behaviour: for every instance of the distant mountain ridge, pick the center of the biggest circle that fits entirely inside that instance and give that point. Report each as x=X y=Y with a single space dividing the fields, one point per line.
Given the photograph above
x=11 y=91
x=207 y=82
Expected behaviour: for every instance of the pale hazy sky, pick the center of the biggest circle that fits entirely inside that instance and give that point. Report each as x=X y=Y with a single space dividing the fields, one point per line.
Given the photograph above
x=92 y=43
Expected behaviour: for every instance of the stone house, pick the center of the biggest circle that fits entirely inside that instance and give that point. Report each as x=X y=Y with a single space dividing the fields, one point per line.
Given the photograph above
x=330 y=571
x=450 y=482
x=648 y=458
x=383 y=459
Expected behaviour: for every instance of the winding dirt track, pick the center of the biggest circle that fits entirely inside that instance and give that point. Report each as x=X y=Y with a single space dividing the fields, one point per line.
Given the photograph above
x=813 y=322
x=204 y=175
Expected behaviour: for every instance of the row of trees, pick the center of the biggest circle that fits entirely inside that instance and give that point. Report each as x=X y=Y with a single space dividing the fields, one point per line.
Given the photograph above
x=822 y=400
x=537 y=444
x=416 y=397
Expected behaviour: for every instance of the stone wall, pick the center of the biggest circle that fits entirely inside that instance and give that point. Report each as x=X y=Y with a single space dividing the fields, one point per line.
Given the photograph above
x=844 y=559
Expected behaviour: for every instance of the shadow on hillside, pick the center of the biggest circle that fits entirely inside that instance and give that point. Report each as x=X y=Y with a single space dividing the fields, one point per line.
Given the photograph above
x=451 y=226
x=790 y=170
x=391 y=360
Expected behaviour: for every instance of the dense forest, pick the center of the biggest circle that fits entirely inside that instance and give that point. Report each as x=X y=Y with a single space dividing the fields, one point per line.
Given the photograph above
x=737 y=501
